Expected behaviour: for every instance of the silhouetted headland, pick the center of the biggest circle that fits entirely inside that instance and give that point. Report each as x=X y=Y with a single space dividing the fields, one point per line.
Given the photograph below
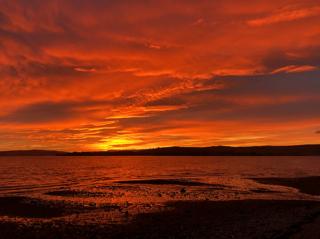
x=294 y=150
x=31 y=153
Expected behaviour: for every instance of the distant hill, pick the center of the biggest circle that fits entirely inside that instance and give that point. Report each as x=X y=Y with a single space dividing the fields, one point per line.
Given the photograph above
x=31 y=153
x=295 y=150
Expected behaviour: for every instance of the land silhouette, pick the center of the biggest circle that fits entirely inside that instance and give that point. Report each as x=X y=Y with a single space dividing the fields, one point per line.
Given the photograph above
x=293 y=150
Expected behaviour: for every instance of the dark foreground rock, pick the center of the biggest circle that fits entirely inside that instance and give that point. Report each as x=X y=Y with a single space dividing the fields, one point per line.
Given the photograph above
x=25 y=207
x=30 y=208
x=193 y=219
x=74 y=193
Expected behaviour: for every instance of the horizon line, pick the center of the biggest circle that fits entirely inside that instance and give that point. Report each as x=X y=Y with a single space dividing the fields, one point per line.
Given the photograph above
x=173 y=146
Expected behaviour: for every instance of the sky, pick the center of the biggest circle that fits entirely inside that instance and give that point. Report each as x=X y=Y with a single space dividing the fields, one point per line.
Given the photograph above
x=119 y=74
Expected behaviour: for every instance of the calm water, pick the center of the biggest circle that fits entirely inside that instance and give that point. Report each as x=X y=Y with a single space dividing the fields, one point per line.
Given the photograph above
x=25 y=175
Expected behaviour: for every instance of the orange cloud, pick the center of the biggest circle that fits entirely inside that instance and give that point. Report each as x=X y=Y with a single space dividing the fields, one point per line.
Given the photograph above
x=76 y=75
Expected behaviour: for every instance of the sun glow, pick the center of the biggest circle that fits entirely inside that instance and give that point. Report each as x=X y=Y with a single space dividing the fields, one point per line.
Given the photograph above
x=118 y=142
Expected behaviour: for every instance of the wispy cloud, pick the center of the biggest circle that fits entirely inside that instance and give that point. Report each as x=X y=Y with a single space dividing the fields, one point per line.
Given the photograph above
x=295 y=69
x=285 y=16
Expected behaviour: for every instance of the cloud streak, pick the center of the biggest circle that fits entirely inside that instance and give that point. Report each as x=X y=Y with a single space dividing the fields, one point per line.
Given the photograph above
x=285 y=16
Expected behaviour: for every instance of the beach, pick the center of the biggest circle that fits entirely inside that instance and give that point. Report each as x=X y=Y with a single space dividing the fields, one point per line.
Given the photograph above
x=192 y=211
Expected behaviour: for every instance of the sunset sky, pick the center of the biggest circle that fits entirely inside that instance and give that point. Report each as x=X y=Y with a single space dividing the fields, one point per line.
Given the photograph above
x=117 y=74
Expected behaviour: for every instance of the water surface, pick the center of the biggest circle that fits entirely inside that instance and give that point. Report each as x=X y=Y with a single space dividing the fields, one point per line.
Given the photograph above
x=27 y=175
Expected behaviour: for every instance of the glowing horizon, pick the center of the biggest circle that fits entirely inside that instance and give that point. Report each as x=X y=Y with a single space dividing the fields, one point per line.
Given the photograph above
x=95 y=75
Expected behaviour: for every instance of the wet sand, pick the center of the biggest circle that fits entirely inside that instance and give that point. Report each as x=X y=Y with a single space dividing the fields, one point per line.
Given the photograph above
x=166 y=182
x=308 y=185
